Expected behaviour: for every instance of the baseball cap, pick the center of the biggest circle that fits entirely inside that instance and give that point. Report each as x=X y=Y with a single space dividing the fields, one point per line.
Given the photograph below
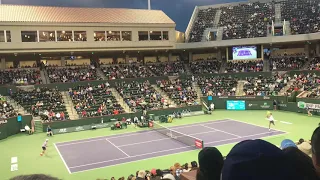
x=287 y=143
x=210 y=162
x=257 y=159
x=153 y=171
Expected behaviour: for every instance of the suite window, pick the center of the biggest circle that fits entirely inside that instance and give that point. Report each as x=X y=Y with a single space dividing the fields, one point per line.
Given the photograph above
x=165 y=35
x=143 y=35
x=80 y=36
x=113 y=35
x=126 y=36
x=8 y=36
x=47 y=36
x=99 y=36
x=155 y=35
x=29 y=36
x=2 y=36
x=64 y=35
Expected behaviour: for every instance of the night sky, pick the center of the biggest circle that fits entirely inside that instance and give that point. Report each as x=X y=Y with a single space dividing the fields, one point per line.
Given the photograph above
x=180 y=11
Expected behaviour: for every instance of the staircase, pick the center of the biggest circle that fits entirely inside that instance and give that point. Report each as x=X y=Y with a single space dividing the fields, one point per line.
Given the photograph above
x=217 y=18
x=16 y=106
x=288 y=29
x=196 y=87
x=120 y=100
x=219 y=34
x=164 y=95
x=147 y=67
x=44 y=77
x=277 y=11
x=284 y=90
x=69 y=106
x=266 y=65
x=187 y=68
x=239 y=91
x=100 y=74
x=305 y=66
x=38 y=126
x=223 y=66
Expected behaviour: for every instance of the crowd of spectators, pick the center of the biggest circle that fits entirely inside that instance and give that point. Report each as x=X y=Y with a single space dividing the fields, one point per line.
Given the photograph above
x=93 y=101
x=181 y=91
x=135 y=71
x=202 y=67
x=72 y=74
x=112 y=72
x=303 y=15
x=44 y=102
x=303 y=82
x=168 y=69
x=286 y=63
x=314 y=64
x=249 y=20
x=20 y=77
x=205 y=19
x=265 y=86
x=6 y=109
x=141 y=96
x=244 y=66
x=217 y=86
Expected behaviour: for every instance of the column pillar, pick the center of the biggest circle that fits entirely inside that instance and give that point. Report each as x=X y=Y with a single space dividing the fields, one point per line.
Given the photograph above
x=307 y=50
x=63 y=61
x=3 y=63
x=219 y=55
x=318 y=49
x=190 y=57
x=170 y=57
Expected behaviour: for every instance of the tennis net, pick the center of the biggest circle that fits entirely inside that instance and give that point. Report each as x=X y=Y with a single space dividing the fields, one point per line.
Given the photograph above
x=178 y=136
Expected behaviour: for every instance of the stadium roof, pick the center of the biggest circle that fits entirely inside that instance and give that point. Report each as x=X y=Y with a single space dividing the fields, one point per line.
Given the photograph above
x=45 y=14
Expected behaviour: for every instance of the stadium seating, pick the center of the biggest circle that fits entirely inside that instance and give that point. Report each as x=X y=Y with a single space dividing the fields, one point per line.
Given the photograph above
x=303 y=15
x=217 y=86
x=167 y=69
x=303 y=82
x=200 y=67
x=140 y=95
x=244 y=66
x=135 y=71
x=42 y=101
x=265 y=86
x=6 y=109
x=93 y=101
x=72 y=74
x=20 y=77
x=112 y=72
x=286 y=63
x=181 y=91
x=314 y=64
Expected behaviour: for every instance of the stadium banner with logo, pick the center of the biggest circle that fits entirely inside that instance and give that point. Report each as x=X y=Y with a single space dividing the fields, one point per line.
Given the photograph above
x=289 y=106
x=82 y=128
x=302 y=107
x=259 y=105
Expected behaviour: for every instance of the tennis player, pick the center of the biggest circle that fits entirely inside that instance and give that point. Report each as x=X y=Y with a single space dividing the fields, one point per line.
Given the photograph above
x=270 y=118
x=309 y=111
x=44 y=147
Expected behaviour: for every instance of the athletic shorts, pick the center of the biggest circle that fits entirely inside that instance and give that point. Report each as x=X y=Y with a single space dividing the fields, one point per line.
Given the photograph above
x=271 y=122
x=44 y=148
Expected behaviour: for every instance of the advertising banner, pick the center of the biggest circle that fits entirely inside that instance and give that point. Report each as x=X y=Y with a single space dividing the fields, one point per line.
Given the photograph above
x=81 y=128
x=259 y=105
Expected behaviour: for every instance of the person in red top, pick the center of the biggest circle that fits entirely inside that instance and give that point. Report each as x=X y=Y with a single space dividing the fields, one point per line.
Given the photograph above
x=62 y=116
x=123 y=119
x=100 y=111
x=84 y=113
x=115 y=112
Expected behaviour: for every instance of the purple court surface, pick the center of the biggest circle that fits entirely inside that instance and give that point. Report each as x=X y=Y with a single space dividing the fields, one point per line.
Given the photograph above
x=88 y=154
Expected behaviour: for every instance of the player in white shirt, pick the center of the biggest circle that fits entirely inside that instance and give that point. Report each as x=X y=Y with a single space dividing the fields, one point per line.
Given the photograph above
x=44 y=147
x=271 y=119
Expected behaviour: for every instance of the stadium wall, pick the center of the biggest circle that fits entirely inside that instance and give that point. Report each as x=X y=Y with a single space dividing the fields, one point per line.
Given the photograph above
x=12 y=126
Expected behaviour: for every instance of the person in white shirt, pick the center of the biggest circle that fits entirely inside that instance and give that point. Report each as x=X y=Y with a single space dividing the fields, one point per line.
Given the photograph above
x=135 y=121
x=58 y=115
x=211 y=107
x=27 y=128
x=271 y=119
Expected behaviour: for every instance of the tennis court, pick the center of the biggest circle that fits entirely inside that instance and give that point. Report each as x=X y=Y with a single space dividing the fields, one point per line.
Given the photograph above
x=88 y=154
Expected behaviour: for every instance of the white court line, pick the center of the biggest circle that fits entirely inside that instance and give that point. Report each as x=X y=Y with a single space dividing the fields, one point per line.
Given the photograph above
x=118 y=148
x=126 y=134
x=64 y=162
x=144 y=142
x=168 y=150
x=198 y=124
x=285 y=122
x=221 y=131
x=257 y=125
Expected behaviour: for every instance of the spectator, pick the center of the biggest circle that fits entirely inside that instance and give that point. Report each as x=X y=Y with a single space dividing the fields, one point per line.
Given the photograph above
x=286 y=63
x=168 y=69
x=217 y=86
x=205 y=67
x=257 y=159
x=34 y=177
x=211 y=163
x=72 y=74
x=315 y=143
x=301 y=162
x=244 y=66
x=141 y=175
x=20 y=77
